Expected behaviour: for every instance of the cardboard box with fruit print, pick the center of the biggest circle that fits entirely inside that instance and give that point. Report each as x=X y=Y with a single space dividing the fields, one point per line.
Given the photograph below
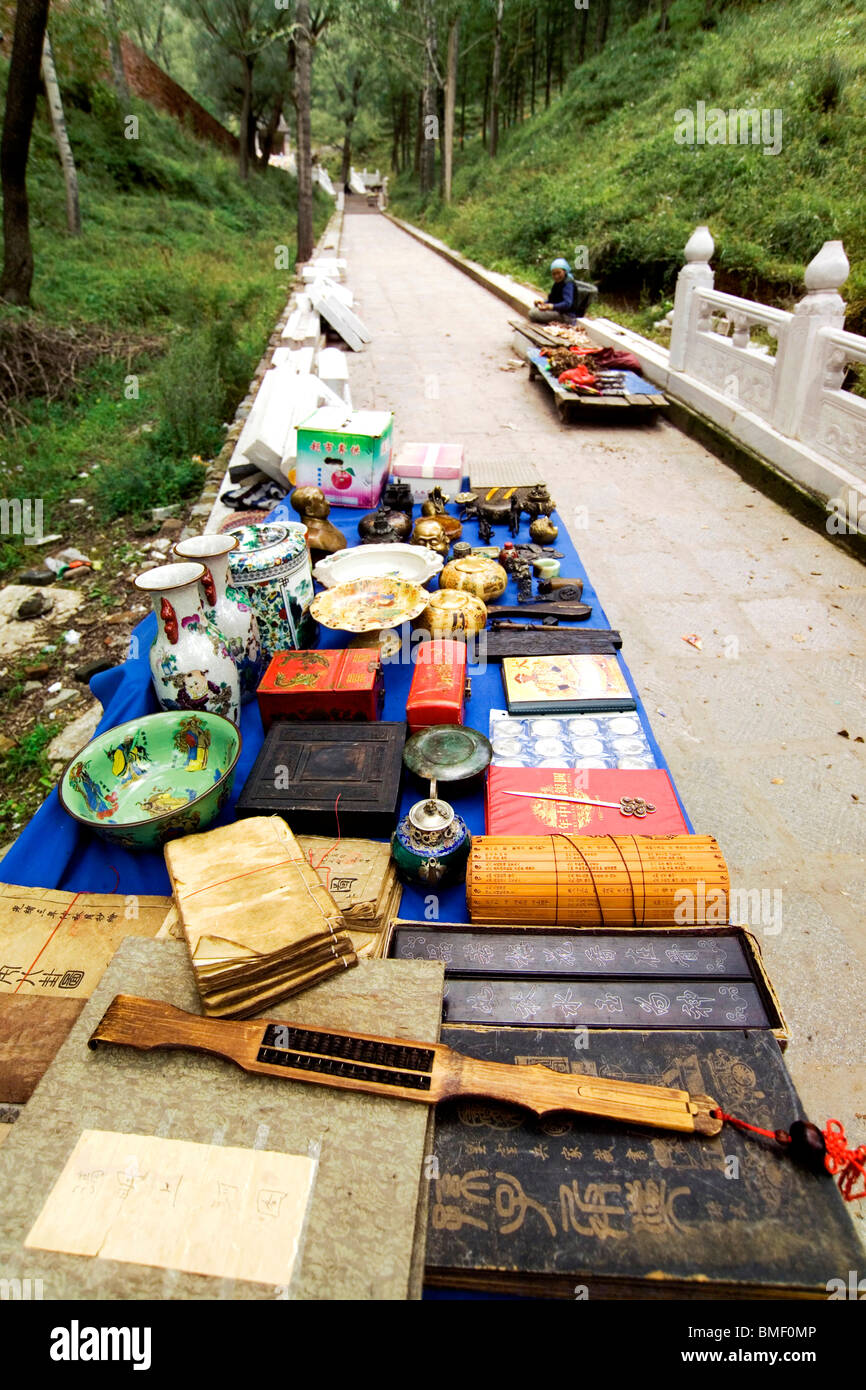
x=345 y=453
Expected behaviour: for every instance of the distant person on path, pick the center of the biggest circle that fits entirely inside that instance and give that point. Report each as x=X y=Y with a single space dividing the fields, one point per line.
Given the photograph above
x=568 y=297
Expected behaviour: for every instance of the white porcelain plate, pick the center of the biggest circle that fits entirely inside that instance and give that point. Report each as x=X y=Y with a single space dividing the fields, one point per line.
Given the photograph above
x=414 y=564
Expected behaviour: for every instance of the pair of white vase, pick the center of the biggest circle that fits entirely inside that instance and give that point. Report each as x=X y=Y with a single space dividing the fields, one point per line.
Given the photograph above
x=207 y=654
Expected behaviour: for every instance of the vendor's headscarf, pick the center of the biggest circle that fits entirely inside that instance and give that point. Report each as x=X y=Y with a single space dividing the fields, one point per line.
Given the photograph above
x=561 y=264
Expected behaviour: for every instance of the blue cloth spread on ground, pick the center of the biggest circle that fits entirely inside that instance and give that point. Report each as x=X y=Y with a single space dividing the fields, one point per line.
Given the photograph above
x=54 y=851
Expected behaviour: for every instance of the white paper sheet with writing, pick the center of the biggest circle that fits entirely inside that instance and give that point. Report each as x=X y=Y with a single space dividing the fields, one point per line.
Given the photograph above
x=205 y=1209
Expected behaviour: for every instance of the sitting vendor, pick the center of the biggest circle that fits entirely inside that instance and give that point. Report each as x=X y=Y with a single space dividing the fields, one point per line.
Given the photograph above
x=568 y=297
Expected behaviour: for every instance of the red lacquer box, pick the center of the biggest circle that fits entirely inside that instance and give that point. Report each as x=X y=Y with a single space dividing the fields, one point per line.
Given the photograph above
x=322 y=685
x=438 y=685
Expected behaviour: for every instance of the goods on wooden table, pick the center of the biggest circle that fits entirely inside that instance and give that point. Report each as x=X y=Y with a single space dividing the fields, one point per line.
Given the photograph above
x=150 y=779
x=328 y=778
x=224 y=607
x=395 y=1067
x=271 y=570
x=584 y=684
x=671 y=977
x=581 y=741
x=551 y=1207
x=365 y=1231
x=452 y=613
x=345 y=453
x=417 y=465
x=190 y=663
x=313 y=508
x=416 y=564
x=365 y=605
x=322 y=685
x=536 y=801
x=362 y=879
x=438 y=687
x=63 y=941
x=257 y=921
x=475 y=575
x=597 y=880
x=384 y=527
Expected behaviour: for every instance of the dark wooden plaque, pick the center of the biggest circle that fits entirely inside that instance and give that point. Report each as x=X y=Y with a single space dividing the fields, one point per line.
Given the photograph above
x=597 y=979
x=548 y=641
x=572 y=1208
x=303 y=768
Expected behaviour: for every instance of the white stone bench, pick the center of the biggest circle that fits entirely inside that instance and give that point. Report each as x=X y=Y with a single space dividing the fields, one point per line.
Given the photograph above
x=339 y=316
x=332 y=368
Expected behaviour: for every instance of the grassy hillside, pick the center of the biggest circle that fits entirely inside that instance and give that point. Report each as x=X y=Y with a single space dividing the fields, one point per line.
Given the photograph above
x=165 y=303
x=601 y=168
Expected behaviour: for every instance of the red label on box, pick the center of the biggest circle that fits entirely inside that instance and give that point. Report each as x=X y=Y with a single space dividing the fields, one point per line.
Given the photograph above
x=438 y=685
x=536 y=815
x=322 y=685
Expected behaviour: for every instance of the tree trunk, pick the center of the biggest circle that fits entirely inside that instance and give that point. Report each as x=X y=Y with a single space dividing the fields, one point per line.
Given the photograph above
x=548 y=57
x=270 y=132
x=463 y=111
x=663 y=22
x=430 y=113
x=114 y=50
x=303 y=84
x=485 y=108
x=584 y=30
x=31 y=17
x=419 y=135
x=494 y=80
x=601 y=24
x=346 y=161
x=450 y=100
x=246 y=107
x=58 y=122
x=533 y=62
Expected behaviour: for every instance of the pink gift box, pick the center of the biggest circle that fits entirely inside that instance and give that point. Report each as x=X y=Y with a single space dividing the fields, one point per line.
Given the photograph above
x=422 y=466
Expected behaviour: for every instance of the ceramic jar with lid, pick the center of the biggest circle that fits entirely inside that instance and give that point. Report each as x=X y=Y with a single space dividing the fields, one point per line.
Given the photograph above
x=270 y=570
x=190 y=663
x=453 y=613
x=475 y=575
x=225 y=608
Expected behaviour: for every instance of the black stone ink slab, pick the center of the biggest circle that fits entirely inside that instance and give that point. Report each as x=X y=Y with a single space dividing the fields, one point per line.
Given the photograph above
x=547 y=641
x=671 y=978
x=574 y=1208
x=302 y=768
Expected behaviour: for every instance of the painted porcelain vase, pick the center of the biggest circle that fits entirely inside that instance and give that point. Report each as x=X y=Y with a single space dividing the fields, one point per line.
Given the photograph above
x=190 y=663
x=270 y=570
x=226 y=609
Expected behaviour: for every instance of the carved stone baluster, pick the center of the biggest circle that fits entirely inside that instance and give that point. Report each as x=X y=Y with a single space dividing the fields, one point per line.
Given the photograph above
x=696 y=273
x=803 y=368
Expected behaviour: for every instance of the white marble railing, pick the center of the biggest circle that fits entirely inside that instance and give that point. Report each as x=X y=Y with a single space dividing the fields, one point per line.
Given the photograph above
x=793 y=399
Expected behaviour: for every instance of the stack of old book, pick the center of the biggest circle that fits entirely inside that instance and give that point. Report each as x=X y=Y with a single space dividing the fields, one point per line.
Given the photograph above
x=259 y=924
x=361 y=877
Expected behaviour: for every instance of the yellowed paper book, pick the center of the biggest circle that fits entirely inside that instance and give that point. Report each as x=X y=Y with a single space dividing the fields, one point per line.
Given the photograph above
x=57 y=945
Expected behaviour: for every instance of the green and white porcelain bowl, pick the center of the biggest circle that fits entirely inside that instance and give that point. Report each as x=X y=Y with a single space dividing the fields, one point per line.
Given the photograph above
x=152 y=779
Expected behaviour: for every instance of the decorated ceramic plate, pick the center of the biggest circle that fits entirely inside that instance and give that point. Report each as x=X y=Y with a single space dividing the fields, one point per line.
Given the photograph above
x=368 y=604
x=152 y=779
x=447 y=752
x=414 y=564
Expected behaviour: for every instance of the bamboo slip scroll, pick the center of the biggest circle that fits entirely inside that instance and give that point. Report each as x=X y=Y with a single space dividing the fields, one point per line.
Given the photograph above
x=597 y=880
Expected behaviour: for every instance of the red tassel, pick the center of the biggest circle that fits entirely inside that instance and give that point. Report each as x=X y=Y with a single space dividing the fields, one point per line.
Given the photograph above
x=847 y=1163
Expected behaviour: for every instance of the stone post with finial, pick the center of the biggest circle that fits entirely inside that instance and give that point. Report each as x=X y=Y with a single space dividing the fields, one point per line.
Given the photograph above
x=802 y=364
x=696 y=273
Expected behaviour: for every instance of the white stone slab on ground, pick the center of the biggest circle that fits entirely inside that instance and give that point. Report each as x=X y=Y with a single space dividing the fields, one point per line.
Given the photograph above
x=340 y=317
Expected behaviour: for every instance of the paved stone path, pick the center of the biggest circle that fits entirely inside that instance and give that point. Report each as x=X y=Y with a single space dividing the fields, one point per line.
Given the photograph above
x=676 y=543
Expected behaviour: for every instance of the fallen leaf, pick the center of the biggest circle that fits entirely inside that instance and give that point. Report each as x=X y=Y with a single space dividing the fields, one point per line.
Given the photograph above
x=777 y=781
x=694 y=641
x=798 y=637
x=843 y=733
